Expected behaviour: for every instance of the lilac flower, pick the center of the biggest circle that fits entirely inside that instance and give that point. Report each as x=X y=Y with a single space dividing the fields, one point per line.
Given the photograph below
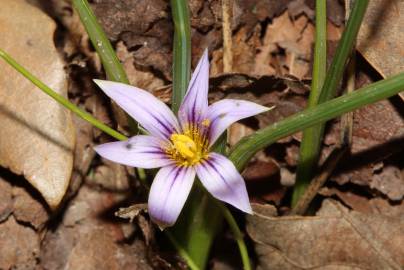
x=181 y=147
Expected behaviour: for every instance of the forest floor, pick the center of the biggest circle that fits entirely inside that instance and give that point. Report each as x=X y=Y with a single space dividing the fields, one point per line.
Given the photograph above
x=356 y=219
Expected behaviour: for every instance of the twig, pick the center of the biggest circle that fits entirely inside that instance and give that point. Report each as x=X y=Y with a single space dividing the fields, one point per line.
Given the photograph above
x=347 y=119
x=309 y=194
x=227 y=40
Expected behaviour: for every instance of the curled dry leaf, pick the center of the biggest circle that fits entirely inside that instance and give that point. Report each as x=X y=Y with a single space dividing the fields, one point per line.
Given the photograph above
x=381 y=36
x=334 y=239
x=132 y=211
x=36 y=138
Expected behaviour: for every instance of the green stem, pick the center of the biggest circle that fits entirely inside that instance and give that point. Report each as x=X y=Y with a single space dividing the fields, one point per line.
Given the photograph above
x=308 y=150
x=110 y=61
x=344 y=49
x=182 y=252
x=328 y=90
x=243 y=151
x=320 y=52
x=237 y=235
x=182 y=52
x=59 y=98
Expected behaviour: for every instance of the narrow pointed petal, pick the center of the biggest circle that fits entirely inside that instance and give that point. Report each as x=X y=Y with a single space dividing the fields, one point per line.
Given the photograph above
x=168 y=194
x=227 y=111
x=219 y=176
x=195 y=103
x=139 y=151
x=145 y=108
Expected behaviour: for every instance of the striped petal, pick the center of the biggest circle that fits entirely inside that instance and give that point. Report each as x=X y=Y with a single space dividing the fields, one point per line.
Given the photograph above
x=195 y=103
x=145 y=108
x=168 y=194
x=219 y=176
x=227 y=111
x=139 y=151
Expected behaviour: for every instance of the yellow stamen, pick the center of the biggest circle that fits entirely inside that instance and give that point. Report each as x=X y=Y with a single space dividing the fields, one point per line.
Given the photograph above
x=185 y=146
x=206 y=122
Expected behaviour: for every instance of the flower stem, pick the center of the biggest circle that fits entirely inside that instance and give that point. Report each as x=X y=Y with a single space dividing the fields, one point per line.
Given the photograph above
x=184 y=254
x=62 y=100
x=110 y=62
x=308 y=150
x=333 y=78
x=244 y=150
x=182 y=52
x=237 y=235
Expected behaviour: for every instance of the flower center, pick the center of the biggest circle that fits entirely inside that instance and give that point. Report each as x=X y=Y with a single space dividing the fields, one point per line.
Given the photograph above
x=187 y=148
x=184 y=145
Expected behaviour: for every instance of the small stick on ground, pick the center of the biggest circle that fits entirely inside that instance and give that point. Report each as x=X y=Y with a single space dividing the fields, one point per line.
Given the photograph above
x=227 y=33
x=329 y=165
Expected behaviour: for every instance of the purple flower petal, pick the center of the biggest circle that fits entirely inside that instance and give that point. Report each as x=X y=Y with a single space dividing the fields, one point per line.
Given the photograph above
x=195 y=103
x=227 y=111
x=145 y=108
x=139 y=151
x=223 y=181
x=168 y=194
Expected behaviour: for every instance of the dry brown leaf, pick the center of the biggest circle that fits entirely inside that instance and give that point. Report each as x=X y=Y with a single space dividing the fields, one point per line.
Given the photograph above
x=126 y=15
x=378 y=133
x=28 y=209
x=375 y=124
x=91 y=238
x=144 y=79
x=364 y=205
x=295 y=37
x=111 y=176
x=6 y=200
x=143 y=25
x=37 y=137
x=83 y=154
x=381 y=36
x=334 y=239
x=19 y=246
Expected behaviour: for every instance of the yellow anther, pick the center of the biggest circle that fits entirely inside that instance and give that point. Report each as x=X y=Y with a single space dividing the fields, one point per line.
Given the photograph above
x=206 y=122
x=185 y=146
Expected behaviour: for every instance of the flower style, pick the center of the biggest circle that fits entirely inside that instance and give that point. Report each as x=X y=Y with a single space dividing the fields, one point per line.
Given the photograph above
x=181 y=147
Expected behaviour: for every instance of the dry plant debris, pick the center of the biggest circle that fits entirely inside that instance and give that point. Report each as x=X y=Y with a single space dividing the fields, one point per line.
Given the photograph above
x=335 y=238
